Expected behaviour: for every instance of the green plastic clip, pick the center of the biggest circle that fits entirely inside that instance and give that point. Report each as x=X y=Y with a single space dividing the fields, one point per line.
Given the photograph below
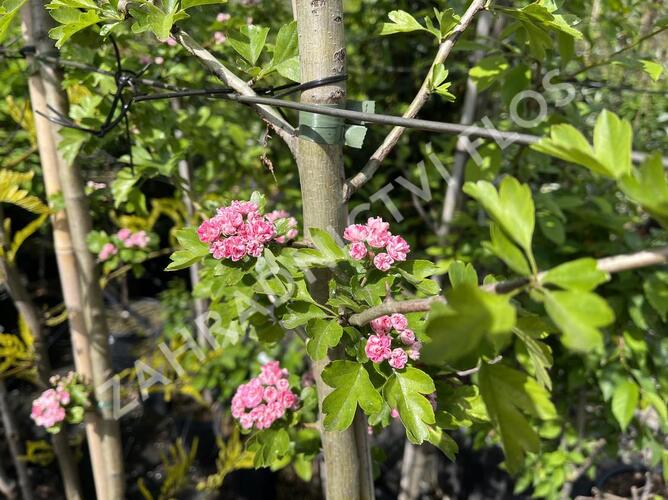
x=333 y=130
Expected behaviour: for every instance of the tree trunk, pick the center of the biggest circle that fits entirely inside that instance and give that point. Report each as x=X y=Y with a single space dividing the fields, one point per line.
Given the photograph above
x=65 y=260
x=76 y=206
x=15 y=445
x=322 y=54
x=26 y=308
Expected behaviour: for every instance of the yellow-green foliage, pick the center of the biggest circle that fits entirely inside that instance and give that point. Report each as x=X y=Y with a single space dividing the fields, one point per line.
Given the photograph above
x=176 y=464
x=231 y=456
x=17 y=354
x=38 y=453
x=11 y=192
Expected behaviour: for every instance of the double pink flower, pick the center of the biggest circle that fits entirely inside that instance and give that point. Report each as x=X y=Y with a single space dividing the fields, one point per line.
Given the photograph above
x=375 y=234
x=264 y=399
x=48 y=410
x=379 y=345
x=240 y=230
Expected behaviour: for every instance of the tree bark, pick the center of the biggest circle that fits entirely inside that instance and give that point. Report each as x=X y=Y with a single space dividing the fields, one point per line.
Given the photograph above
x=322 y=54
x=80 y=224
x=65 y=260
x=15 y=445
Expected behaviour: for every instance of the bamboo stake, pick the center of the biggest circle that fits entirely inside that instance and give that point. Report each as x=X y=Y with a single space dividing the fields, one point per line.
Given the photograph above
x=66 y=262
x=76 y=206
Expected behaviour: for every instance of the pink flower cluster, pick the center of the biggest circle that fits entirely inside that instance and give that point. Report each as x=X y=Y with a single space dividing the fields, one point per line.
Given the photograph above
x=108 y=250
x=240 y=230
x=379 y=345
x=365 y=238
x=48 y=410
x=264 y=399
x=128 y=239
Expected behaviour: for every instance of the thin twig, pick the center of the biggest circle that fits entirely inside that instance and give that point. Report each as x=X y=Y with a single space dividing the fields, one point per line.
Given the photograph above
x=419 y=101
x=614 y=264
x=608 y=59
x=273 y=118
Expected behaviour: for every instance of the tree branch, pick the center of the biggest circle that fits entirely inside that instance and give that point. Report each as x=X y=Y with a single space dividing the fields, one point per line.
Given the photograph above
x=272 y=117
x=416 y=105
x=614 y=264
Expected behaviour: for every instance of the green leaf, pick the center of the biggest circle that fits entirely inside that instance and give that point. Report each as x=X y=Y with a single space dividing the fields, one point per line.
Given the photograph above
x=71 y=143
x=300 y=313
x=610 y=155
x=418 y=270
x=540 y=355
x=552 y=227
x=188 y=4
x=457 y=328
x=192 y=249
x=647 y=186
x=507 y=251
x=438 y=84
x=613 y=141
x=462 y=274
x=285 y=47
x=580 y=274
x=443 y=441
x=352 y=387
x=447 y=21
x=653 y=69
x=579 y=315
x=538 y=20
x=402 y=22
x=488 y=70
x=653 y=399
x=269 y=446
x=122 y=185
x=326 y=244
x=624 y=402
x=290 y=69
x=511 y=208
x=324 y=335
x=71 y=21
x=8 y=11
x=405 y=391
x=249 y=42
x=656 y=291
x=508 y=395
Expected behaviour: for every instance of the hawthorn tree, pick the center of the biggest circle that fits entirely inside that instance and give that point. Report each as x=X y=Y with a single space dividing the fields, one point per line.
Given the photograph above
x=528 y=268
